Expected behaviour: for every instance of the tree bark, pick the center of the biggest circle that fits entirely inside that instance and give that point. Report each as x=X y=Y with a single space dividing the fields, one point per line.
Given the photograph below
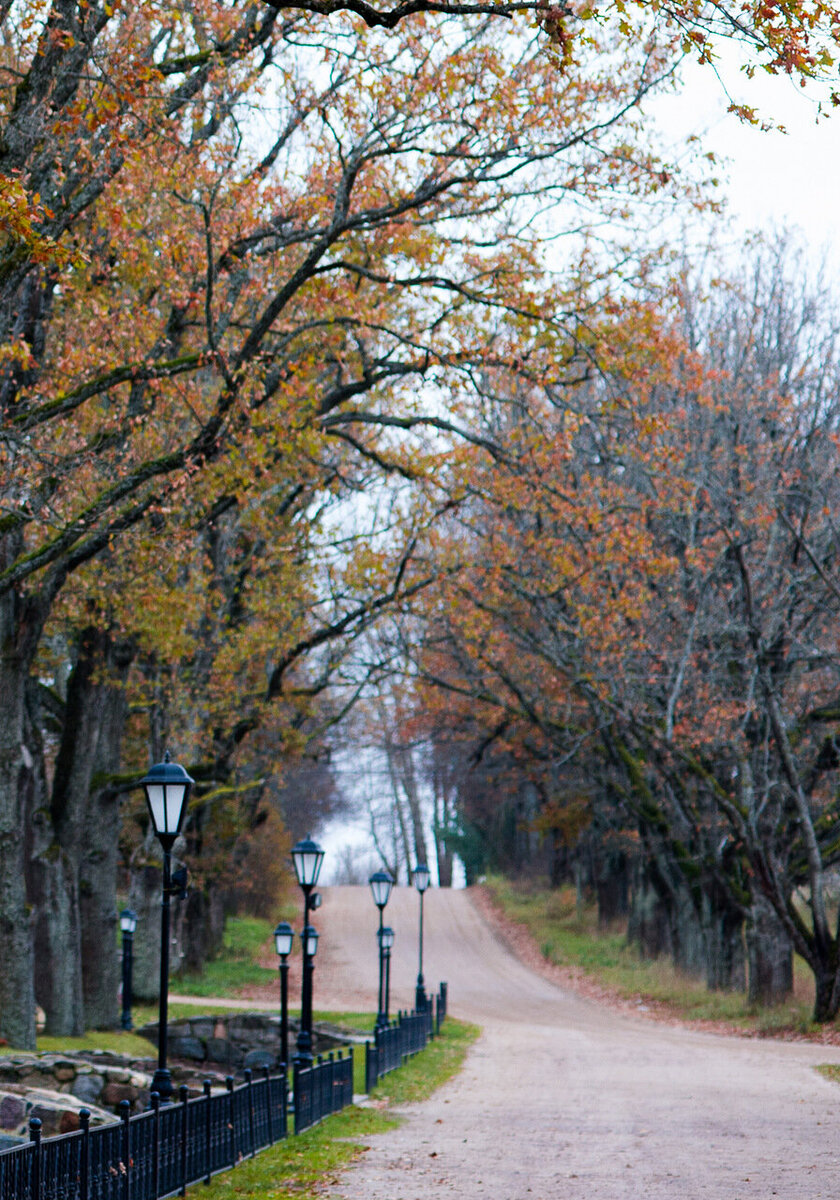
x=19 y=631
x=770 y=955
x=723 y=926
x=57 y=861
x=611 y=889
x=98 y=865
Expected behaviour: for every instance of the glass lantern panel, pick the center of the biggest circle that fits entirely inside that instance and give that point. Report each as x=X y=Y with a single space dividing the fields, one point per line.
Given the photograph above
x=175 y=793
x=156 y=796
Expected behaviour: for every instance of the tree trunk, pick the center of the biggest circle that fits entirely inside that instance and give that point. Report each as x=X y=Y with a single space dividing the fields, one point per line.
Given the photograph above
x=770 y=955
x=202 y=923
x=650 y=926
x=98 y=912
x=98 y=866
x=611 y=889
x=19 y=632
x=56 y=867
x=826 y=997
x=724 y=938
x=145 y=898
x=145 y=895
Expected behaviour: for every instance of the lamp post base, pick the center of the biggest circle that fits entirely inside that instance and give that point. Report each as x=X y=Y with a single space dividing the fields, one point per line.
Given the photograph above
x=162 y=1084
x=421 y=1003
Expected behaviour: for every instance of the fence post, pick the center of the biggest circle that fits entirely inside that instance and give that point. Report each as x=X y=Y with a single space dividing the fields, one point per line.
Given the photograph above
x=231 y=1120
x=35 y=1160
x=284 y=1103
x=184 y=1093
x=207 y=1132
x=125 y=1114
x=369 y=1084
x=155 y=1099
x=84 y=1157
x=249 y=1080
x=269 y=1106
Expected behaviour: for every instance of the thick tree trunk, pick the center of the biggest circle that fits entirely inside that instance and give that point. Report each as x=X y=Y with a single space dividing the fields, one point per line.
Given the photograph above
x=18 y=638
x=98 y=865
x=58 y=960
x=145 y=897
x=770 y=955
x=612 y=889
x=724 y=944
x=98 y=911
x=201 y=924
x=826 y=997
x=650 y=924
x=56 y=867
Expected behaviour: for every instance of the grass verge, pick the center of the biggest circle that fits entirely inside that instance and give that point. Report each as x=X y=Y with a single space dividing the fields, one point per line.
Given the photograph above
x=235 y=966
x=568 y=935
x=298 y=1166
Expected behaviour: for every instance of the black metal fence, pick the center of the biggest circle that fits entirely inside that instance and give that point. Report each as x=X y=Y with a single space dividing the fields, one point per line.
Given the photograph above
x=160 y=1152
x=397 y=1041
x=325 y=1087
x=152 y=1154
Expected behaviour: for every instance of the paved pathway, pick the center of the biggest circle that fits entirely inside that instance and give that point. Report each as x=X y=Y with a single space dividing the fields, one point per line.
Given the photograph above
x=563 y=1099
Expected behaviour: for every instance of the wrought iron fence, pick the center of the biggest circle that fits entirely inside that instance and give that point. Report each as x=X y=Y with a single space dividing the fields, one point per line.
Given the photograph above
x=325 y=1087
x=159 y=1153
x=152 y=1154
x=408 y=1034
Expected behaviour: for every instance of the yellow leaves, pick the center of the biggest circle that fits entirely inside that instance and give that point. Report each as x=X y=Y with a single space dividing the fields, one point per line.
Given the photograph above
x=21 y=238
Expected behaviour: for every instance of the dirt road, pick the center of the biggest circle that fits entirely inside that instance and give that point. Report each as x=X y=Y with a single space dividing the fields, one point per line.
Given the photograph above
x=563 y=1099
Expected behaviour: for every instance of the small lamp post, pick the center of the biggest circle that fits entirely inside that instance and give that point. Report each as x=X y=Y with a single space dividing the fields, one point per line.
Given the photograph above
x=380 y=887
x=386 y=941
x=284 y=937
x=128 y=923
x=167 y=787
x=422 y=876
x=307 y=857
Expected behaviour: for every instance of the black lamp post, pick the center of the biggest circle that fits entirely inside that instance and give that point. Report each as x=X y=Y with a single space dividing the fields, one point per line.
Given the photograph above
x=307 y=857
x=386 y=941
x=167 y=788
x=128 y=923
x=284 y=937
x=421 y=882
x=380 y=887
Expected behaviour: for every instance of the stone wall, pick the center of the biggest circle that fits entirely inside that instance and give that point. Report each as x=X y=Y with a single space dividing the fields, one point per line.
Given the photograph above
x=240 y=1040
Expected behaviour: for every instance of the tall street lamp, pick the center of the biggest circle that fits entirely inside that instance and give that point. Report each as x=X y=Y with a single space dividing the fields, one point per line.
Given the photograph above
x=128 y=923
x=167 y=787
x=386 y=941
x=380 y=887
x=284 y=937
x=421 y=882
x=307 y=857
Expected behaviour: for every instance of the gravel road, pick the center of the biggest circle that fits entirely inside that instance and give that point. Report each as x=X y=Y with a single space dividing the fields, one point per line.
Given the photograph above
x=563 y=1098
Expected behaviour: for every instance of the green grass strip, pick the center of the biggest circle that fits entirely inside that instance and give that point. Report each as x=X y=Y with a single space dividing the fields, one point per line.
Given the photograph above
x=298 y=1166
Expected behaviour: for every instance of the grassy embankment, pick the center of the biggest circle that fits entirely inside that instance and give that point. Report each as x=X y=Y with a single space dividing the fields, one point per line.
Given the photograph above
x=569 y=936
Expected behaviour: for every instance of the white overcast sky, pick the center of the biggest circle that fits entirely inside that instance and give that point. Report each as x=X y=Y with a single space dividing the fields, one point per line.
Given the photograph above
x=772 y=178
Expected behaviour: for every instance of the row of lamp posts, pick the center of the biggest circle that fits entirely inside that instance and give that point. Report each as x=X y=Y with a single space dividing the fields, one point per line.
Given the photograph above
x=167 y=786
x=380 y=886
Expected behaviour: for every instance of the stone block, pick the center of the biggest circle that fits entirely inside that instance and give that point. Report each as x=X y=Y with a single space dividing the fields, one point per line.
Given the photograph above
x=259 y=1059
x=88 y=1088
x=114 y=1093
x=12 y=1111
x=217 y=1050
x=64 y=1073
x=203 y=1027
x=187 y=1047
